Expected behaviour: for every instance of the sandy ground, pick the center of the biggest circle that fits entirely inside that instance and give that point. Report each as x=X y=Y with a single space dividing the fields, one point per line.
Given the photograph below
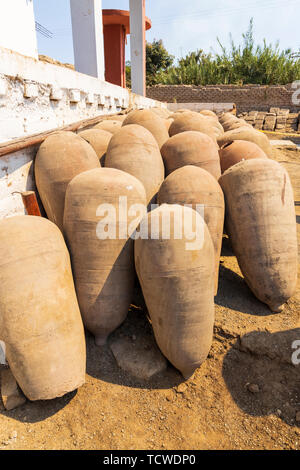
x=245 y=396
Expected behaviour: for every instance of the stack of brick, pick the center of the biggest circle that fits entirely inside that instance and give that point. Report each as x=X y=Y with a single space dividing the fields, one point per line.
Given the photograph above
x=260 y=120
x=270 y=122
x=251 y=117
x=275 y=110
x=292 y=122
x=281 y=121
x=278 y=119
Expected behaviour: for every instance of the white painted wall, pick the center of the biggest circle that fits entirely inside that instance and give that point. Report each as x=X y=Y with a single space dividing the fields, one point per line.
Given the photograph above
x=87 y=30
x=216 y=107
x=36 y=96
x=16 y=175
x=17 y=27
x=137 y=46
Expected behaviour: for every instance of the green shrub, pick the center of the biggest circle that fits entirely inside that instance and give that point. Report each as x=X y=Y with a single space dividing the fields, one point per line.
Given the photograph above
x=262 y=64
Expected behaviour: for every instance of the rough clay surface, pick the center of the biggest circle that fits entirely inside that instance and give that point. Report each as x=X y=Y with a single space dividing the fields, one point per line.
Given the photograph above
x=242 y=397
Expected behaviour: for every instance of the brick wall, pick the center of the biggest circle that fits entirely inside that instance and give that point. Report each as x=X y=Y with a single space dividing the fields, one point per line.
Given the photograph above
x=246 y=98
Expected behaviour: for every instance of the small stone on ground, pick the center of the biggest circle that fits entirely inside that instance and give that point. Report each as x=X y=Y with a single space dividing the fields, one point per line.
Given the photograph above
x=12 y=396
x=253 y=388
x=140 y=358
x=284 y=144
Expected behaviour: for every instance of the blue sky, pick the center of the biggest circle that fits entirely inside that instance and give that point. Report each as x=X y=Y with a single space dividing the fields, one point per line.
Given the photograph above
x=183 y=26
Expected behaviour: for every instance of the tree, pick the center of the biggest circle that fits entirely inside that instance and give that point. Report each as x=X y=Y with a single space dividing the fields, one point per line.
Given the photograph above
x=157 y=60
x=262 y=64
x=128 y=74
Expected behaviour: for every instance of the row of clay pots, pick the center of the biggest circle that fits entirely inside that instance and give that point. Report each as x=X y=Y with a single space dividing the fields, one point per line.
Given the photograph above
x=178 y=283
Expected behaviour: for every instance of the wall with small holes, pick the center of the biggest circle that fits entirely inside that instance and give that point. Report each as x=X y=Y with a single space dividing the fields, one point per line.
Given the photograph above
x=36 y=96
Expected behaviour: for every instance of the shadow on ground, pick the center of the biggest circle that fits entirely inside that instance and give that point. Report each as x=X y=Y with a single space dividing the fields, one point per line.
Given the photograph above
x=102 y=365
x=265 y=360
x=226 y=247
x=35 y=412
x=229 y=284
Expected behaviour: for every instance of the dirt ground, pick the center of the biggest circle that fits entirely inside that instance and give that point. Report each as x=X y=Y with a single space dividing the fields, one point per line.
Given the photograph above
x=245 y=396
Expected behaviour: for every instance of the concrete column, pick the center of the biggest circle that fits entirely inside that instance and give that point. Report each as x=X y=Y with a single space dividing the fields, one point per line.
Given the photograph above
x=138 y=46
x=87 y=30
x=17 y=27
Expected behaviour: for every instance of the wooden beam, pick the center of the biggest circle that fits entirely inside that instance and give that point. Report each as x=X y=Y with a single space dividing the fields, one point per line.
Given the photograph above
x=30 y=203
x=24 y=142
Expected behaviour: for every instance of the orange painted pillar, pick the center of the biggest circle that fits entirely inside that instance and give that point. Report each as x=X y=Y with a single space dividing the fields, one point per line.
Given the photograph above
x=116 y=26
x=114 y=51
